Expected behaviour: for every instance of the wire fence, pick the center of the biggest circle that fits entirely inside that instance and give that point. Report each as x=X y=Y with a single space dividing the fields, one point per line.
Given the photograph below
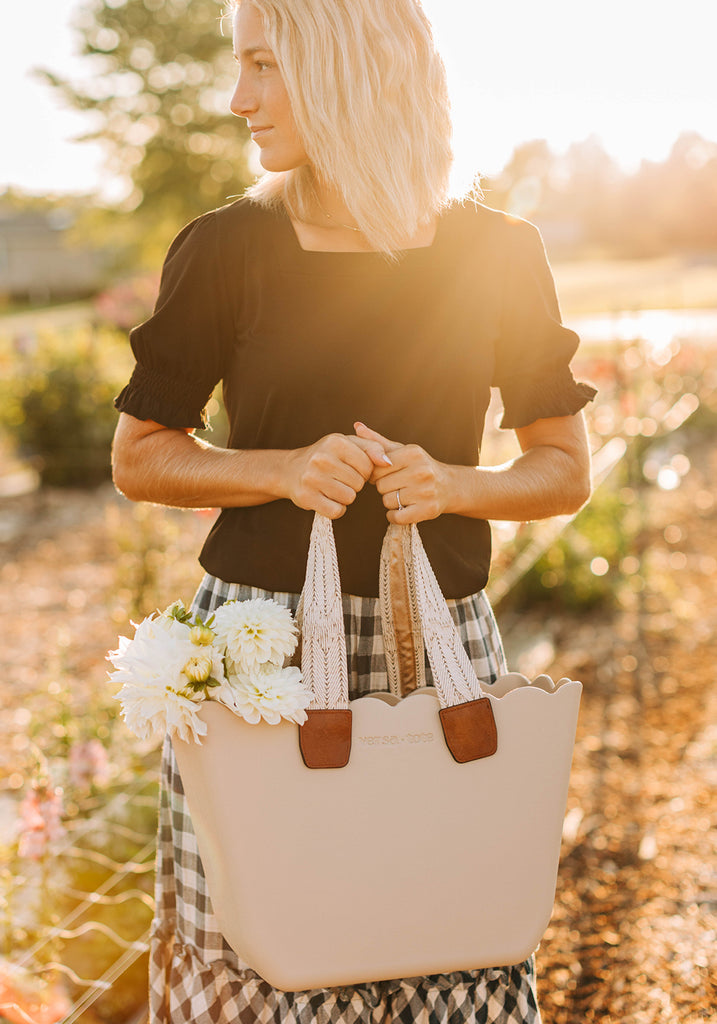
x=59 y=948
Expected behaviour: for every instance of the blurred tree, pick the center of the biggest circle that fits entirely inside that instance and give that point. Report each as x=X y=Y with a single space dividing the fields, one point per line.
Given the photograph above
x=672 y=205
x=572 y=196
x=586 y=203
x=159 y=96
x=592 y=185
x=689 y=179
x=520 y=188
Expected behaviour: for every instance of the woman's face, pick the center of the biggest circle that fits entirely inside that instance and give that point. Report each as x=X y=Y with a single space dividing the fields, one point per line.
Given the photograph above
x=261 y=97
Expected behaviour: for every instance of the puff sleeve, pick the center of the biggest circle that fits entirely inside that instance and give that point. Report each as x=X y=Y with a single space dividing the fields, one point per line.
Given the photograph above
x=182 y=349
x=534 y=349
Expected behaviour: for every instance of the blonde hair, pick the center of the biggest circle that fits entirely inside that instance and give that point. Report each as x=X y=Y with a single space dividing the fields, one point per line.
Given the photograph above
x=370 y=100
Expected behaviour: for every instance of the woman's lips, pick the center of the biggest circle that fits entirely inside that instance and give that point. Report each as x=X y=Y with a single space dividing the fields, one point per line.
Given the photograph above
x=258 y=130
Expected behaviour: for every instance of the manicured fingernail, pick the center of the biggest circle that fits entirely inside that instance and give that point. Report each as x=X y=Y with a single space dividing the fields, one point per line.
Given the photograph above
x=386 y=459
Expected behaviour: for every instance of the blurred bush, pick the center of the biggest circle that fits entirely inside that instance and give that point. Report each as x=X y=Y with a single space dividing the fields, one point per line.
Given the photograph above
x=56 y=400
x=128 y=302
x=585 y=566
x=57 y=406
x=67 y=424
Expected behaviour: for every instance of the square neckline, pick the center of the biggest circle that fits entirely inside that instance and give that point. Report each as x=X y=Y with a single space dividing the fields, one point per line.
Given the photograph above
x=374 y=254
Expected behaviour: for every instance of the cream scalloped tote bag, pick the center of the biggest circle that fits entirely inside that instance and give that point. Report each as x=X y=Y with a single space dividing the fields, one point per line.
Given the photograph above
x=387 y=837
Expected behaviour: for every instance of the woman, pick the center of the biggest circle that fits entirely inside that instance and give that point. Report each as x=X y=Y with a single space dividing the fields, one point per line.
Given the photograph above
x=357 y=321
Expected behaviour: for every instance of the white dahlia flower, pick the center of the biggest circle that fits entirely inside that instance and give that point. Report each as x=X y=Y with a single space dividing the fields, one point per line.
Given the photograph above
x=268 y=693
x=254 y=633
x=162 y=684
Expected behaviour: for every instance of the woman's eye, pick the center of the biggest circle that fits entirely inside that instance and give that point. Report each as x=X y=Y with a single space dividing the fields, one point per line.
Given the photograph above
x=263 y=65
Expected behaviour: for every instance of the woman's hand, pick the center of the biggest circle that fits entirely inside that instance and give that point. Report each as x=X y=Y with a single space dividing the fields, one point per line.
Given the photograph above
x=550 y=478
x=415 y=480
x=171 y=467
x=326 y=476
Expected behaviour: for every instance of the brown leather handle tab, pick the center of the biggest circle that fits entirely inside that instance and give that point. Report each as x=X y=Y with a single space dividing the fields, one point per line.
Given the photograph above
x=325 y=738
x=469 y=730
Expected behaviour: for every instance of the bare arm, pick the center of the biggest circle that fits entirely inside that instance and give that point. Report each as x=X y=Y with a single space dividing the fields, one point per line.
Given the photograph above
x=551 y=477
x=154 y=463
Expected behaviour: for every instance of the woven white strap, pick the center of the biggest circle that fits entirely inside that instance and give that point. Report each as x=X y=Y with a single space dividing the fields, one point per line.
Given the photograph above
x=324 y=662
x=453 y=675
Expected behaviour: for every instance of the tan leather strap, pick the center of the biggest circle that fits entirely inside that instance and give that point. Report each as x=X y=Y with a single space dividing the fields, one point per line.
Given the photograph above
x=400 y=621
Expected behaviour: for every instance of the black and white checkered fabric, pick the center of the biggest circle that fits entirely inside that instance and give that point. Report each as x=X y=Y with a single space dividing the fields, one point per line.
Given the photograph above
x=195 y=978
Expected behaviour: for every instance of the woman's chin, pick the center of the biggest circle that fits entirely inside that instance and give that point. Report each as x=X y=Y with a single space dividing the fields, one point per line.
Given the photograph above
x=278 y=162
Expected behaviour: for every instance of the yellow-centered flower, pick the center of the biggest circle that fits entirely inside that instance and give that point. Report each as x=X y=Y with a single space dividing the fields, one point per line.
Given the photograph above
x=198 y=669
x=201 y=635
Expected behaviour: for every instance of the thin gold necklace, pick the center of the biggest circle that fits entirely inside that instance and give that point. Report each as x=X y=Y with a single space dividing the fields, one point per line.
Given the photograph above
x=348 y=227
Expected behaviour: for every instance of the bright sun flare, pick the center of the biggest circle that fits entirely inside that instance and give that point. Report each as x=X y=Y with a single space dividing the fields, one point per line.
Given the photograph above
x=633 y=72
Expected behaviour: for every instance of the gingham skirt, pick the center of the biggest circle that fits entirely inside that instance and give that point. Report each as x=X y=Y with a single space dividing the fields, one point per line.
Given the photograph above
x=196 y=978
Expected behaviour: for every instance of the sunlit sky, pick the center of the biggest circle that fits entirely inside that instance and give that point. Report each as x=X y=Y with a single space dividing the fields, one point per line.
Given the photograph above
x=633 y=72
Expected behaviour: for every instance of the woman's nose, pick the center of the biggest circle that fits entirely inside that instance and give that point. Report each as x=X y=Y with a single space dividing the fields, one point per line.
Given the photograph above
x=243 y=102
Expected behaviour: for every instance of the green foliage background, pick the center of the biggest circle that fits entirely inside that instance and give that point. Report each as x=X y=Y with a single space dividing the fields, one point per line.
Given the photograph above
x=160 y=76
x=58 y=405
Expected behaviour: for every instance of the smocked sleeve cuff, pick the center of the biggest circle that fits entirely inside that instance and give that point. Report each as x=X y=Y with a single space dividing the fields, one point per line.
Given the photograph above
x=151 y=395
x=552 y=393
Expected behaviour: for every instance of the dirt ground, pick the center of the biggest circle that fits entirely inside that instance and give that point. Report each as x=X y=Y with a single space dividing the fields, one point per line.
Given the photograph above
x=633 y=938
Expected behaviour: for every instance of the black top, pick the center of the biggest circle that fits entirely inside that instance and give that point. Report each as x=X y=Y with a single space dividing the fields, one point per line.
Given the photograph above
x=306 y=343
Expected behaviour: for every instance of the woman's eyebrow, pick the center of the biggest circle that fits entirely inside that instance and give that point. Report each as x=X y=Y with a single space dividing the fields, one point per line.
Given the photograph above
x=249 y=51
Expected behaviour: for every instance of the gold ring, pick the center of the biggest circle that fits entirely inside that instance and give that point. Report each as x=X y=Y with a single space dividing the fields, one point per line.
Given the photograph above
x=398 y=499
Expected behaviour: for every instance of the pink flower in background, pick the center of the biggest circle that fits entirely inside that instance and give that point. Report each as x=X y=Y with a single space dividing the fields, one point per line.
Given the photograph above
x=127 y=303
x=89 y=764
x=25 y=999
x=40 y=820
